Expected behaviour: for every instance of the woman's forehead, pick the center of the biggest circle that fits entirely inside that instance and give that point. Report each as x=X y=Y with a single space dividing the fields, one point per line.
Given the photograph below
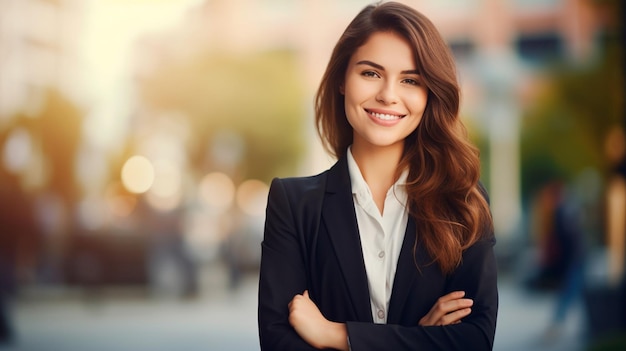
x=387 y=49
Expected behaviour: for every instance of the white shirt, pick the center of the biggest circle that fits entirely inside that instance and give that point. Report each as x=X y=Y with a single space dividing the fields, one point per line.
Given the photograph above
x=381 y=235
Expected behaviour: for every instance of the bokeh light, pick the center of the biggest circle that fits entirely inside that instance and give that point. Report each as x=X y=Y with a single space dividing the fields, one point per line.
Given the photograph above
x=138 y=174
x=17 y=150
x=217 y=190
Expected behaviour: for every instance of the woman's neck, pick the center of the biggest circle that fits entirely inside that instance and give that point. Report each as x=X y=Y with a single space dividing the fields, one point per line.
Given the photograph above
x=378 y=166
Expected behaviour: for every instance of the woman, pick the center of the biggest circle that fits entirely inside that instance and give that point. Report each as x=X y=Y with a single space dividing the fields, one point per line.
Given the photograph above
x=391 y=248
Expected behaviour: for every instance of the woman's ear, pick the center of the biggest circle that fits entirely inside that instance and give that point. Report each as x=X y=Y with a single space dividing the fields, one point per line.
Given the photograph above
x=342 y=89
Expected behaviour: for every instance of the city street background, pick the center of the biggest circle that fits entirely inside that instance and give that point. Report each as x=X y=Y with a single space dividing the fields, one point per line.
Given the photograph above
x=138 y=139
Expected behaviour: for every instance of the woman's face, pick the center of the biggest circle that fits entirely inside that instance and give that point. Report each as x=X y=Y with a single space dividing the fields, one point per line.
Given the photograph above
x=384 y=95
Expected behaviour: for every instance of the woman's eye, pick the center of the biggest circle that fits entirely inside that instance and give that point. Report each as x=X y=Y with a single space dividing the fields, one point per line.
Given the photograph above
x=411 y=81
x=370 y=74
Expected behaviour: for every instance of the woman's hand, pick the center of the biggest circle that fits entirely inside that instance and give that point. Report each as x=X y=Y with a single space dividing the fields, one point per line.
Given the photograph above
x=449 y=309
x=313 y=327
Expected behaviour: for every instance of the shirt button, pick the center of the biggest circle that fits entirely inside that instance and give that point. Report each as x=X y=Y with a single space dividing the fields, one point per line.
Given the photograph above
x=381 y=314
x=381 y=254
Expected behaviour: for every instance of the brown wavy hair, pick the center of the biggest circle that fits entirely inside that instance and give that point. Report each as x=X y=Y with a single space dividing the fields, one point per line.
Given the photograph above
x=445 y=196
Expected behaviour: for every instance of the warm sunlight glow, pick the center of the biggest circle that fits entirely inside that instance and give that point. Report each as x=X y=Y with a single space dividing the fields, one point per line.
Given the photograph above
x=112 y=28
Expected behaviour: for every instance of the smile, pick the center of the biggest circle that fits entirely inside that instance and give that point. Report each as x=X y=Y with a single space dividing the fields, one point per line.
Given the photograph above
x=385 y=116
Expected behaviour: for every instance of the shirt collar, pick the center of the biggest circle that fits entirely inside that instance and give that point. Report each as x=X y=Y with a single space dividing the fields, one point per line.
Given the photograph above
x=359 y=186
x=358 y=182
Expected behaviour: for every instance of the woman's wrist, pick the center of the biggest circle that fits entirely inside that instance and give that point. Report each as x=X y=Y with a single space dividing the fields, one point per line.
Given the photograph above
x=337 y=336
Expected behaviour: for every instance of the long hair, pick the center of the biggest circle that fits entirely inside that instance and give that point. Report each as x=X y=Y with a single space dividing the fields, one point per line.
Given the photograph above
x=444 y=193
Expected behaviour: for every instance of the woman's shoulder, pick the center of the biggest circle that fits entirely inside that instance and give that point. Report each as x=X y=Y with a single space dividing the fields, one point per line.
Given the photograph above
x=304 y=197
x=299 y=186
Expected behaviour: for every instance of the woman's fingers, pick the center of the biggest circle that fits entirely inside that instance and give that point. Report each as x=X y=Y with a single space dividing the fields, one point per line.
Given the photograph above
x=451 y=296
x=448 y=309
x=454 y=317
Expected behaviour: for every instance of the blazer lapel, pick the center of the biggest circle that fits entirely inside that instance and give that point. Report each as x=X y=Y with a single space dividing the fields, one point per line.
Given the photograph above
x=406 y=273
x=339 y=219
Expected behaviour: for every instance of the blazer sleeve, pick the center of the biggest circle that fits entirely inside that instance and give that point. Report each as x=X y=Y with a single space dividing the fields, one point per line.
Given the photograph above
x=477 y=277
x=282 y=274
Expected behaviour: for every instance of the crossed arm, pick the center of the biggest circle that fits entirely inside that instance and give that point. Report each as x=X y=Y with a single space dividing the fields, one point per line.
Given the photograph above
x=315 y=329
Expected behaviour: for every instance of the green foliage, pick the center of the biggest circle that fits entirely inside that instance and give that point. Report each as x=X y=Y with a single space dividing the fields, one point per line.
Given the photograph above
x=256 y=96
x=611 y=342
x=480 y=140
x=564 y=132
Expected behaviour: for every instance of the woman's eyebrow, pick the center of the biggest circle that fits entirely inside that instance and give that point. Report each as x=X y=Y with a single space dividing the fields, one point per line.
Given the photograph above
x=377 y=66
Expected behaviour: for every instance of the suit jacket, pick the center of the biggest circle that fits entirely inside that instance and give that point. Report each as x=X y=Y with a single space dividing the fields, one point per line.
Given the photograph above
x=312 y=242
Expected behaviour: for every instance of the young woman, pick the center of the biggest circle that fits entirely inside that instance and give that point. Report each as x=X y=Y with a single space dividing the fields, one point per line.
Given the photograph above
x=391 y=248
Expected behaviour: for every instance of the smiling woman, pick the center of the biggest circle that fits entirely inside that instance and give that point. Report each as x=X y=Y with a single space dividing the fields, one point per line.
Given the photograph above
x=391 y=248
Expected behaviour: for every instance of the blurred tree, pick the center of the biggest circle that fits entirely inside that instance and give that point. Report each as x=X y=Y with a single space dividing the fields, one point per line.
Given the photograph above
x=59 y=128
x=564 y=132
x=54 y=131
x=257 y=97
x=480 y=140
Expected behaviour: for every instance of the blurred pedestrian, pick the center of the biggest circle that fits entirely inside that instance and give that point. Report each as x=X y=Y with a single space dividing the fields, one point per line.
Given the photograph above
x=607 y=302
x=232 y=255
x=171 y=267
x=7 y=279
x=569 y=262
x=7 y=287
x=17 y=227
x=392 y=248
x=548 y=271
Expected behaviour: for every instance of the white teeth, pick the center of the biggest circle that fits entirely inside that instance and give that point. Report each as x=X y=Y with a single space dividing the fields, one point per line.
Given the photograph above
x=385 y=117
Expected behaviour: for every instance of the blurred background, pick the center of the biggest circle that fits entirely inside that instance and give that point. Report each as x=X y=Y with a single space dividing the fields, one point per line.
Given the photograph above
x=138 y=139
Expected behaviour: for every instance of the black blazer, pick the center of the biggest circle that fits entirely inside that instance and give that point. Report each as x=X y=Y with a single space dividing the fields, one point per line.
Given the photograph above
x=312 y=242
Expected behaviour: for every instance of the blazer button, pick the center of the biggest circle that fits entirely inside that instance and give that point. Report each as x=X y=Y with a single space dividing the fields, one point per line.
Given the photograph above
x=381 y=254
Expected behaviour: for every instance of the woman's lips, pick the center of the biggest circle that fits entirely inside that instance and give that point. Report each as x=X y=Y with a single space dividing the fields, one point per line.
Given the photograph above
x=384 y=117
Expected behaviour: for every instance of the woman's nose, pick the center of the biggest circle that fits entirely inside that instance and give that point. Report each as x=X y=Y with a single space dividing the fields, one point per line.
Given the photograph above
x=387 y=94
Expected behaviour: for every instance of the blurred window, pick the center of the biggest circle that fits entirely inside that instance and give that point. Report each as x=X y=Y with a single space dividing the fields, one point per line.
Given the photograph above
x=539 y=48
x=463 y=49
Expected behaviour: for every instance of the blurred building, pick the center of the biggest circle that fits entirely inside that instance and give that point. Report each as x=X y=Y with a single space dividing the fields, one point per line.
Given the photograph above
x=503 y=49
x=40 y=39
x=41 y=79
x=39 y=49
